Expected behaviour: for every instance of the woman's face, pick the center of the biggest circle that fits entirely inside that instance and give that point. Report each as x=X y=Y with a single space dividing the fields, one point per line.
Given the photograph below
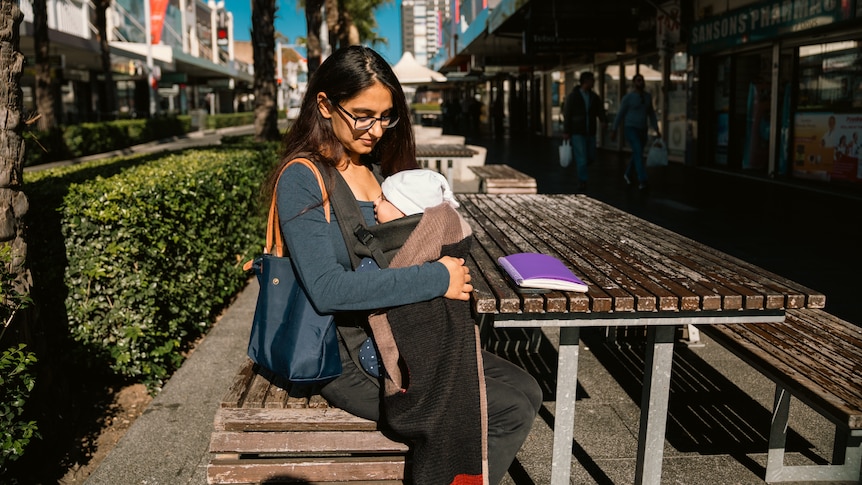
x=374 y=101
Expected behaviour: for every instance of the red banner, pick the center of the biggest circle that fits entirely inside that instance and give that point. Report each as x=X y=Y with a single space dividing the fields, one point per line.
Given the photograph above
x=157 y=19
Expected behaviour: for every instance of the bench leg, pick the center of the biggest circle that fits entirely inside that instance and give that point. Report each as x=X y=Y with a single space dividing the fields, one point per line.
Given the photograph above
x=846 y=455
x=691 y=336
x=777 y=435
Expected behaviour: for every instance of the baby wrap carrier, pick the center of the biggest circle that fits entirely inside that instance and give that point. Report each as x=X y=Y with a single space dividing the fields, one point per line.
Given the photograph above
x=434 y=387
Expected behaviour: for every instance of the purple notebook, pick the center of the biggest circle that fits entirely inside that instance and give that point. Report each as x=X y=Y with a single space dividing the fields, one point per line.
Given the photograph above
x=537 y=270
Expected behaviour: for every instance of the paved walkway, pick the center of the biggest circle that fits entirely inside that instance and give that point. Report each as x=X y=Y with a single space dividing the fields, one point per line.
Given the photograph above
x=719 y=407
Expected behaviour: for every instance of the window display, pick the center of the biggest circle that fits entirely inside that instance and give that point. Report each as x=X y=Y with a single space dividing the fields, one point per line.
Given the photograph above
x=828 y=124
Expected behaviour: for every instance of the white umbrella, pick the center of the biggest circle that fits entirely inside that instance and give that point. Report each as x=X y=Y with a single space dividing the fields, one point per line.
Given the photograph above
x=409 y=71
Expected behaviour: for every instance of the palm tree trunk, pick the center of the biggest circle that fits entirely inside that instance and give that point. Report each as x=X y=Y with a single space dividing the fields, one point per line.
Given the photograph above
x=333 y=23
x=108 y=98
x=263 y=43
x=313 y=20
x=46 y=87
x=13 y=202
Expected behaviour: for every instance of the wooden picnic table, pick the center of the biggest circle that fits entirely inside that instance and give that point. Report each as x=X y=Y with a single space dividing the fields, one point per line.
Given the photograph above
x=639 y=274
x=429 y=155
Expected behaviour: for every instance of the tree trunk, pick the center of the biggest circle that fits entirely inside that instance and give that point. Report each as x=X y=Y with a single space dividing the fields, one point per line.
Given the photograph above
x=45 y=86
x=13 y=202
x=313 y=20
x=108 y=98
x=263 y=42
x=333 y=23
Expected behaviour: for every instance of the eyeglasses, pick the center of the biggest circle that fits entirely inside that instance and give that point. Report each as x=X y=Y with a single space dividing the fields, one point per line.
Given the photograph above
x=363 y=123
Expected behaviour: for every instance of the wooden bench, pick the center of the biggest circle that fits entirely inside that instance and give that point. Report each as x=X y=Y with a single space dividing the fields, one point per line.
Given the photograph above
x=267 y=431
x=817 y=358
x=503 y=179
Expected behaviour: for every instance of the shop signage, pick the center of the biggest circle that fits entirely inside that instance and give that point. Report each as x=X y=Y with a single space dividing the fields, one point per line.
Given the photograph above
x=564 y=43
x=667 y=24
x=764 y=21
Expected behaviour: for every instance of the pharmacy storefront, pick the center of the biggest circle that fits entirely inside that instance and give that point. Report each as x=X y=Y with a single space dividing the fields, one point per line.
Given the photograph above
x=780 y=90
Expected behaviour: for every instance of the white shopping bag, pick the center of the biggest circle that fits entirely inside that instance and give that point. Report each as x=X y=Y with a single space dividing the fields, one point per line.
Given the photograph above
x=657 y=155
x=565 y=153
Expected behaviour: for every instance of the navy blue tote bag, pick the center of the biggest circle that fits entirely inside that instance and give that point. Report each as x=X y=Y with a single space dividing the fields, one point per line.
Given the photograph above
x=288 y=336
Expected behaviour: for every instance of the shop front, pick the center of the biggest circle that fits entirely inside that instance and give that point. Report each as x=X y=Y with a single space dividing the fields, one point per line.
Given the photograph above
x=779 y=90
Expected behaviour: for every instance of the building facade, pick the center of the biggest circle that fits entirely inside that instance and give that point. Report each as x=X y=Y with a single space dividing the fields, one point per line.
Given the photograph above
x=421 y=27
x=167 y=56
x=767 y=88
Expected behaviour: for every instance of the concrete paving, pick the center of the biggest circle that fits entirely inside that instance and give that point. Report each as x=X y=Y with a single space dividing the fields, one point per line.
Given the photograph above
x=719 y=407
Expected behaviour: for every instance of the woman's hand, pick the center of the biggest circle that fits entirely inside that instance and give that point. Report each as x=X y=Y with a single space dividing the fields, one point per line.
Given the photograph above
x=459 y=278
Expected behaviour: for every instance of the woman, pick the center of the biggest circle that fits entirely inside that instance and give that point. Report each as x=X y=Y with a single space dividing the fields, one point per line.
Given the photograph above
x=354 y=116
x=635 y=111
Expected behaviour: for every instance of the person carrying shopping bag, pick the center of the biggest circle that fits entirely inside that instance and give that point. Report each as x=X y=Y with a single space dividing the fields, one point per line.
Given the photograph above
x=582 y=111
x=637 y=115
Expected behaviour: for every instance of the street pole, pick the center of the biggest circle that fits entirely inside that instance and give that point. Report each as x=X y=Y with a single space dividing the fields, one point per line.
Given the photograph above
x=148 y=35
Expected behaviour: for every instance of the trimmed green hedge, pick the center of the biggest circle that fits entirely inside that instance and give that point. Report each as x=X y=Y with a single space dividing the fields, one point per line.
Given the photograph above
x=17 y=374
x=152 y=249
x=75 y=141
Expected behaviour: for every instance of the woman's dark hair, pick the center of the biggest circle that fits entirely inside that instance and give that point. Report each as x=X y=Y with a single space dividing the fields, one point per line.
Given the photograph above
x=635 y=78
x=342 y=76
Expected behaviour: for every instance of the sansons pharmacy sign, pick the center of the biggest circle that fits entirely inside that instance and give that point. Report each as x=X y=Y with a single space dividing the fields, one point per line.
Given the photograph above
x=766 y=20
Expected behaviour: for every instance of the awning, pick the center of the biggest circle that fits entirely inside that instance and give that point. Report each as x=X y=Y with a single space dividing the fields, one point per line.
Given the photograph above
x=410 y=72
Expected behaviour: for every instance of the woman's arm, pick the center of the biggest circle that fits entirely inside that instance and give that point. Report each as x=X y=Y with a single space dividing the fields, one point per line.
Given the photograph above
x=323 y=264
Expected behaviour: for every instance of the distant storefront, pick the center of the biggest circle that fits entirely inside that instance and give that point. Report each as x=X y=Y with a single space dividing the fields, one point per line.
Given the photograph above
x=780 y=89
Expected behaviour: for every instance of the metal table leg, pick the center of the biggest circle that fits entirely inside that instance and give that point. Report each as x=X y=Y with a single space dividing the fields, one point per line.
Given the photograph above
x=656 y=389
x=564 y=418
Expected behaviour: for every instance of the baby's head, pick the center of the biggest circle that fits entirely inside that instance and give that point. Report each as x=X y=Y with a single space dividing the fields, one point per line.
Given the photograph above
x=411 y=192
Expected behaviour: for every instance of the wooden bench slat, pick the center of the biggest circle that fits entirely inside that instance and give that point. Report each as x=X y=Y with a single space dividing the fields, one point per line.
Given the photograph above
x=503 y=179
x=291 y=419
x=257 y=390
x=276 y=470
x=238 y=388
x=305 y=442
x=830 y=376
x=269 y=430
x=808 y=337
x=792 y=354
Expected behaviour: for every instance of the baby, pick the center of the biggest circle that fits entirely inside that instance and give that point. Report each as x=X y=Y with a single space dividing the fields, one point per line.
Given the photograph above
x=411 y=192
x=406 y=193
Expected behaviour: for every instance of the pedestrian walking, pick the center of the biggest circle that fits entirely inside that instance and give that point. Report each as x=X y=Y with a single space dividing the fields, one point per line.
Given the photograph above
x=637 y=115
x=582 y=110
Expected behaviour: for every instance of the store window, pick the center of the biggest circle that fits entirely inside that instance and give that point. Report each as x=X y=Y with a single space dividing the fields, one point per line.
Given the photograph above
x=827 y=127
x=677 y=96
x=611 y=86
x=830 y=76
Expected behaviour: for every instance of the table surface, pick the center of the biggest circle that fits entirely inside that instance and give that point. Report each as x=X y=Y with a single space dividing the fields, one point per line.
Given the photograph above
x=638 y=274
x=629 y=264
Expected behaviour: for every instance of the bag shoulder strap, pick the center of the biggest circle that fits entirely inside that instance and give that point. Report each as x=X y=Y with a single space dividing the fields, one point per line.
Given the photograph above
x=274 y=239
x=352 y=222
x=348 y=214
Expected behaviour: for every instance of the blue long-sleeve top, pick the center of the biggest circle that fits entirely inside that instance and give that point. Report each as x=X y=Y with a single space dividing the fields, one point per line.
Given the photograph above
x=635 y=109
x=323 y=264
